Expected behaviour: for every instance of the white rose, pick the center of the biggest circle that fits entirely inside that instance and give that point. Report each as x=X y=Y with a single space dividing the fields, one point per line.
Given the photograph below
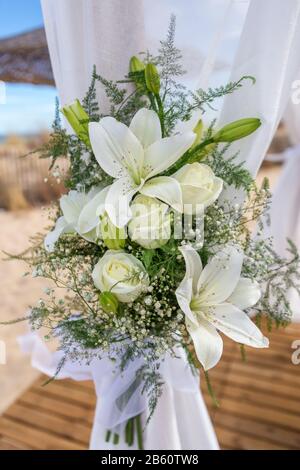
x=150 y=225
x=122 y=274
x=199 y=186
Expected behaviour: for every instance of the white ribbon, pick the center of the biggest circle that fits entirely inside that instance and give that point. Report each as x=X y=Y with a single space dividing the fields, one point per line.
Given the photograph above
x=120 y=392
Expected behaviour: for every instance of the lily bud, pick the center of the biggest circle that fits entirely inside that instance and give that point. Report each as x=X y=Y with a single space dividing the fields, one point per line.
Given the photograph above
x=136 y=68
x=136 y=65
x=237 y=130
x=79 y=120
x=113 y=237
x=198 y=130
x=109 y=302
x=152 y=78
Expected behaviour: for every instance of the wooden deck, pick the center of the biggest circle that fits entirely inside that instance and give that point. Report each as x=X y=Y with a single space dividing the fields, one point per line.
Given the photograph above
x=260 y=406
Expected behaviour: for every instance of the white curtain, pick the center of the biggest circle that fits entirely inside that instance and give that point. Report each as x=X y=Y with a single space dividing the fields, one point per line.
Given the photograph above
x=269 y=50
x=285 y=209
x=81 y=33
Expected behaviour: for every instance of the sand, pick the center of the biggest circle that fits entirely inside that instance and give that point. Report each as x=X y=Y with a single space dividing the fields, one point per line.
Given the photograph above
x=16 y=294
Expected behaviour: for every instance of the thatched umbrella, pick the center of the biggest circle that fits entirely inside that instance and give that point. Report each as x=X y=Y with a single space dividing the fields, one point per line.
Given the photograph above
x=25 y=59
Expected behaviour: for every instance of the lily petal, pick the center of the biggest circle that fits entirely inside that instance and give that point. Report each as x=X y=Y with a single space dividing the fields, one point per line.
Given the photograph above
x=184 y=294
x=166 y=189
x=91 y=236
x=193 y=264
x=72 y=204
x=246 y=294
x=118 y=199
x=89 y=216
x=220 y=276
x=207 y=341
x=116 y=148
x=146 y=127
x=163 y=153
x=61 y=227
x=237 y=325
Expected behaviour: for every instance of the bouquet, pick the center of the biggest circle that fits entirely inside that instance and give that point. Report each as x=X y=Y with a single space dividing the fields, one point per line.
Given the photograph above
x=154 y=261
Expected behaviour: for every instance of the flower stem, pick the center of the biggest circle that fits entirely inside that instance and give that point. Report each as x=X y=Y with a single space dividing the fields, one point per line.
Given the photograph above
x=210 y=390
x=197 y=149
x=139 y=431
x=161 y=114
x=243 y=352
x=189 y=157
x=152 y=102
x=133 y=426
x=129 y=432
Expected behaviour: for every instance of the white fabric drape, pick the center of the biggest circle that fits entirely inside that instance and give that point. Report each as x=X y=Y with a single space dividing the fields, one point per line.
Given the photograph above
x=285 y=209
x=173 y=426
x=81 y=33
x=269 y=50
x=84 y=33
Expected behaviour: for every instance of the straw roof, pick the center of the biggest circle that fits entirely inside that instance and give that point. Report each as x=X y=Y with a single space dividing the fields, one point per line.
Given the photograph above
x=25 y=58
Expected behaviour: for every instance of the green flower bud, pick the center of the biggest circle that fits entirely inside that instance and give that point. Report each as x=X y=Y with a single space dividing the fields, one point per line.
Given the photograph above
x=113 y=237
x=237 y=130
x=136 y=65
x=198 y=130
x=79 y=121
x=152 y=78
x=136 y=71
x=109 y=302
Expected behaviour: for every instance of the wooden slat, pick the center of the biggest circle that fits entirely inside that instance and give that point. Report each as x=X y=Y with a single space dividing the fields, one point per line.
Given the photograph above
x=260 y=406
x=266 y=432
x=35 y=438
x=58 y=407
x=57 y=392
x=7 y=444
x=70 y=385
x=244 y=441
x=76 y=431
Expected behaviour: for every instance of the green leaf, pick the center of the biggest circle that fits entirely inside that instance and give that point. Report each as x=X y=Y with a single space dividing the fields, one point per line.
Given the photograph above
x=148 y=257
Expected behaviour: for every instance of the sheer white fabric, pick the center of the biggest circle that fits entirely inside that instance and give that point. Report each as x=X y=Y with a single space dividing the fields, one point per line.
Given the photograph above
x=285 y=209
x=269 y=50
x=180 y=420
x=81 y=33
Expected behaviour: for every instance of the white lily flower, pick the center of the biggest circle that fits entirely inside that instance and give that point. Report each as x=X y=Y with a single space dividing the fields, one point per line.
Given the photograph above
x=89 y=217
x=212 y=299
x=133 y=156
x=76 y=210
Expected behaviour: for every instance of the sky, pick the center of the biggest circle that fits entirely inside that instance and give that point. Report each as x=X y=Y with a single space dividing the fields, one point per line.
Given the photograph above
x=28 y=108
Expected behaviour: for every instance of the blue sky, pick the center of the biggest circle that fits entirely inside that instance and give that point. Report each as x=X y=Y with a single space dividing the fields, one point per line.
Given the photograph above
x=28 y=108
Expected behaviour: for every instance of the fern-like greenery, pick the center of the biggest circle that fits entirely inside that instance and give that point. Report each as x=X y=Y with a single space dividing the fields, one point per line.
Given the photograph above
x=90 y=102
x=234 y=174
x=202 y=98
